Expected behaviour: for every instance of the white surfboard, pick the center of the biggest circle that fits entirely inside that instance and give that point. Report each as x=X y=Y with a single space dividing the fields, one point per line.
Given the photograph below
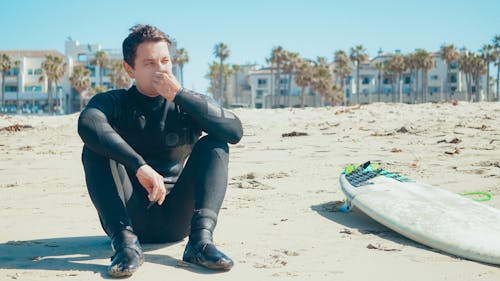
x=429 y=215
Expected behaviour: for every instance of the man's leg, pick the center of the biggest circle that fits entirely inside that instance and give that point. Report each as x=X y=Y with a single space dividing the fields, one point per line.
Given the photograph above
x=194 y=203
x=114 y=198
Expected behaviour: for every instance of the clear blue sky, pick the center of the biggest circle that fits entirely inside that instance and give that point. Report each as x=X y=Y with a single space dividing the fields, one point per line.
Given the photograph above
x=252 y=28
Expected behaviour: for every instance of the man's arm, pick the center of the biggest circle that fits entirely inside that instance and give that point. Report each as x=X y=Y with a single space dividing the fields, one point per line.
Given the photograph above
x=210 y=117
x=97 y=134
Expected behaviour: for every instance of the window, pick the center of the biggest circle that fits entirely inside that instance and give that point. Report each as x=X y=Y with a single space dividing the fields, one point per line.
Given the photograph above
x=262 y=82
x=407 y=79
x=387 y=81
x=82 y=57
x=433 y=90
x=11 y=88
x=434 y=77
x=284 y=81
x=453 y=78
x=283 y=92
x=365 y=81
x=454 y=65
x=259 y=94
x=366 y=91
x=38 y=71
x=30 y=71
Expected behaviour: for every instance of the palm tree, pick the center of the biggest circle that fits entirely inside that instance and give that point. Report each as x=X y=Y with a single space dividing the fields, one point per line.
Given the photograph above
x=358 y=55
x=449 y=55
x=322 y=79
x=221 y=51
x=424 y=63
x=181 y=57
x=213 y=75
x=303 y=78
x=17 y=65
x=488 y=55
x=5 y=66
x=496 y=46
x=397 y=65
x=465 y=65
x=118 y=76
x=413 y=66
x=53 y=69
x=80 y=80
x=341 y=61
x=379 y=66
x=276 y=59
x=478 y=69
x=291 y=63
x=102 y=61
x=235 y=68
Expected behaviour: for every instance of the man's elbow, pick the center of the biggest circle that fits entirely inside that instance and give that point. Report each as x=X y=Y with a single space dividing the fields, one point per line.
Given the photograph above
x=235 y=135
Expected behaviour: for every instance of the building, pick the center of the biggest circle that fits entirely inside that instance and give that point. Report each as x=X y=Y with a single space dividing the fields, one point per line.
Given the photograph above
x=24 y=83
x=386 y=89
x=258 y=87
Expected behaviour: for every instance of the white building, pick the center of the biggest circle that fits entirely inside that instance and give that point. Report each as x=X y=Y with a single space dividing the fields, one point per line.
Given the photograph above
x=386 y=90
x=22 y=83
x=263 y=87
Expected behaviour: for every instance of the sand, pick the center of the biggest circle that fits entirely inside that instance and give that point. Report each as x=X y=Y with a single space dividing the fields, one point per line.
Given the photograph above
x=279 y=219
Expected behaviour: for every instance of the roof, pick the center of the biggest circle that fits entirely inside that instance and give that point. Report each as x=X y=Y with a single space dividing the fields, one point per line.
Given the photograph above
x=31 y=53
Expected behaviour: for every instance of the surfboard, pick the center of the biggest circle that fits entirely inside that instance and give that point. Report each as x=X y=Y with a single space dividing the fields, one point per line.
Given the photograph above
x=424 y=213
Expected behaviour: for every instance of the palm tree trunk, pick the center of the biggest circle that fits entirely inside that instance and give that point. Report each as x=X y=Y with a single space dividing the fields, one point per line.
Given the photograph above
x=447 y=83
x=81 y=101
x=357 y=82
x=424 y=86
x=278 y=88
x=290 y=76
x=302 y=97
x=488 y=81
x=416 y=87
x=3 y=90
x=49 y=96
x=379 y=85
x=182 y=75
x=221 y=88
x=498 y=80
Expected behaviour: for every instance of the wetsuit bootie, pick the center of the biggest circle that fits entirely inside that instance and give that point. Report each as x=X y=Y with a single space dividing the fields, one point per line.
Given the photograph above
x=200 y=248
x=127 y=256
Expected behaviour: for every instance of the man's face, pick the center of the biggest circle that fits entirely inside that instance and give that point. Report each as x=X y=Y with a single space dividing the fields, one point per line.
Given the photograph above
x=150 y=57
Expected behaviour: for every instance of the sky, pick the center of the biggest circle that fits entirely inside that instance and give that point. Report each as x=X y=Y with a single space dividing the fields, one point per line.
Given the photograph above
x=252 y=28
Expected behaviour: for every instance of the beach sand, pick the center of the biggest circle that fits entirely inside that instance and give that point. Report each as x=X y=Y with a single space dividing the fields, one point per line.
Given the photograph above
x=279 y=218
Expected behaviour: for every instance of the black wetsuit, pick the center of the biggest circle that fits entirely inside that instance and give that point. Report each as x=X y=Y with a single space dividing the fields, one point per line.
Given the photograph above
x=124 y=129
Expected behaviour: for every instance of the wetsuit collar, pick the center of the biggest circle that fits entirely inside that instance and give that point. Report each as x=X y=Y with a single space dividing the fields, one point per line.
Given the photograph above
x=145 y=101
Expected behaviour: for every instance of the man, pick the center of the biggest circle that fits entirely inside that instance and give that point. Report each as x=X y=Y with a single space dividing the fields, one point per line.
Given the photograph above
x=149 y=174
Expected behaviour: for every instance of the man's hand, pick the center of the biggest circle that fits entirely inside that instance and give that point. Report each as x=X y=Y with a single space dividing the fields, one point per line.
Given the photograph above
x=166 y=84
x=153 y=183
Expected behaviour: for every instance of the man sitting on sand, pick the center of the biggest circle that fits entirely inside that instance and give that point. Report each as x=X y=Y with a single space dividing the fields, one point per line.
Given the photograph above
x=149 y=174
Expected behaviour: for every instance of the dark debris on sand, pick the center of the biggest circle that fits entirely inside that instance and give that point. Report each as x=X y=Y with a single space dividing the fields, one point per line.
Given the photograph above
x=16 y=128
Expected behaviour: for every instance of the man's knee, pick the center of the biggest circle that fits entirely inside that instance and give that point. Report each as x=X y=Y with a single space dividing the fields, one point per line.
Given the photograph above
x=208 y=143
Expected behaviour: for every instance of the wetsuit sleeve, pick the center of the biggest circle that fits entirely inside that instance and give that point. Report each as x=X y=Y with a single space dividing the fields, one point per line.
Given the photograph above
x=97 y=133
x=209 y=116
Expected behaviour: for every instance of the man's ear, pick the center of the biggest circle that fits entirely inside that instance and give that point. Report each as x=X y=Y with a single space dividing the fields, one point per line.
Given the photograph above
x=129 y=69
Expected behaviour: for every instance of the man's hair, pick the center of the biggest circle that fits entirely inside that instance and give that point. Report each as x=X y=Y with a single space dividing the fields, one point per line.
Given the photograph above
x=140 y=33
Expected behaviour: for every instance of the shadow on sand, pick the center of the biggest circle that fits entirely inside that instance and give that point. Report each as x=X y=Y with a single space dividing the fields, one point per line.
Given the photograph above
x=355 y=219
x=77 y=253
